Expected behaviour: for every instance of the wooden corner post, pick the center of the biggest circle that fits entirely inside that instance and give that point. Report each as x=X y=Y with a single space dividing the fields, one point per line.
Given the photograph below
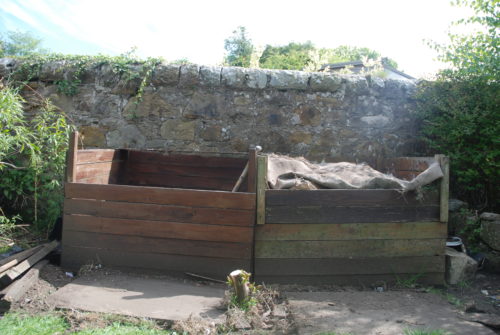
x=71 y=157
x=261 y=189
x=444 y=192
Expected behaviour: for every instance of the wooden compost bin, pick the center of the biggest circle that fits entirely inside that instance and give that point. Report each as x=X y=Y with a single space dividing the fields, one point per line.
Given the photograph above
x=149 y=210
x=352 y=236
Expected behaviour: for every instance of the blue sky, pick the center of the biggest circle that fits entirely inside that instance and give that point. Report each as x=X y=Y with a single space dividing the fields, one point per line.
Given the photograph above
x=196 y=29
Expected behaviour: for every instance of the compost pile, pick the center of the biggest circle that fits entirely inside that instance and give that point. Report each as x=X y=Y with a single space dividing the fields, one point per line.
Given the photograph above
x=298 y=173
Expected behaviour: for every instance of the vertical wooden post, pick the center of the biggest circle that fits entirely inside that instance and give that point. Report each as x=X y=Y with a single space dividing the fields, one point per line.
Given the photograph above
x=444 y=192
x=71 y=158
x=261 y=189
x=252 y=170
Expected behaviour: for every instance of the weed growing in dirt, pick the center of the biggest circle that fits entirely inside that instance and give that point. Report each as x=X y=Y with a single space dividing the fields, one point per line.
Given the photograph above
x=452 y=299
x=409 y=282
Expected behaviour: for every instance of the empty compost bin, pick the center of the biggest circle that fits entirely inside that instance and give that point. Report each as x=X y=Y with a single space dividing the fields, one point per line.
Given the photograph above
x=162 y=211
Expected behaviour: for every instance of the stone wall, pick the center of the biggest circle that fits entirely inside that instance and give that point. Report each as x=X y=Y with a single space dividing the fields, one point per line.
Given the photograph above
x=198 y=108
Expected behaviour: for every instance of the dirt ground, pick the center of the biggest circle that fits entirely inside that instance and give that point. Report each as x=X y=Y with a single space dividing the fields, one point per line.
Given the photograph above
x=477 y=301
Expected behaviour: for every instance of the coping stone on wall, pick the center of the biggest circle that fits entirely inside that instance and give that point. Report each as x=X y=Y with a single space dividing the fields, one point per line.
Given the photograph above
x=189 y=75
x=210 y=75
x=286 y=79
x=166 y=74
x=325 y=82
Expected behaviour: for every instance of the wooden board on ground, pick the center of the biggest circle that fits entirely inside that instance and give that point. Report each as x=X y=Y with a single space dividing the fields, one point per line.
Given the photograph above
x=15 y=259
x=16 y=290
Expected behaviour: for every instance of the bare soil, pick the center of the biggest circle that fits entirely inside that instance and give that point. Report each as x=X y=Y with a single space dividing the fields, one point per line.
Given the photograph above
x=476 y=301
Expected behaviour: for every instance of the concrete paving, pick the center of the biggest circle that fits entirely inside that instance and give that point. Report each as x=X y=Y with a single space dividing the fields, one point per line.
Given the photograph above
x=374 y=313
x=141 y=297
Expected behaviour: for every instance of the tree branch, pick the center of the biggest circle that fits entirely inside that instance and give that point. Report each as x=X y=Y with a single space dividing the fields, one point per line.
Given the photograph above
x=13 y=166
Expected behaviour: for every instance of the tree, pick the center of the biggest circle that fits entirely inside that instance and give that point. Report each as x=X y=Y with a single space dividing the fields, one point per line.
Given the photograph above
x=239 y=48
x=293 y=56
x=460 y=110
x=17 y=43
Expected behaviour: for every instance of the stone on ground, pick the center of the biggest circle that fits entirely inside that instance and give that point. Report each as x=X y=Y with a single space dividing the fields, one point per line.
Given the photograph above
x=459 y=266
x=490 y=230
x=131 y=295
x=374 y=313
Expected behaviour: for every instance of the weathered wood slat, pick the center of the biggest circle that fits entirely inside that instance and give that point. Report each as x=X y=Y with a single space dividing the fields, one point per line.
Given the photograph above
x=16 y=290
x=71 y=157
x=185 y=171
x=408 y=163
x=261 y=190
x=350 y=231
x=160 y=180
x=186 y=159
x=100 y=155
x=97 y=169
x=357 y=248
x=252 y=171
x=444 y=187
x=351 y=280
x=158 y=229
x=351 y=198
x=140 y=211
x=98 y=180
x=349 y=266
x=319 y=214
x=140 y=244
x=161 y=196
x=219 y=268
x=15 y=259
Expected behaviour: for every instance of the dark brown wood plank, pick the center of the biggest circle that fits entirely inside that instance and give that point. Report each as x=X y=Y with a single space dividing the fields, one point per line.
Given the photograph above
x=365 y=281
x=185 y=171
x=349 y=266
x=97 y=169
x=100 y=179
x=161 y=180
x=319 y=214
x=164 y=196
x=418 y=164
x=219 y=268
x=138 y=211
x=16 y=290
x=350 y=198
x=100 y=155
x=15 y=259
x=355 y=249
x=140 y=244
x=261 y=190
x=185 y=159
x=158 y=229
x=350 y=231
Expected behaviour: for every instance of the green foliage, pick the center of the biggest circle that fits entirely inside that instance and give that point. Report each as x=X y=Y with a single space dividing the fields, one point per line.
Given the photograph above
x=123 y=329
x=17 y=43
x=16 y=324
x=408 y=282
x=32 y=156
x=293 y=56
x=424 y=332
x=248 y=301
x=461 y=119
x=471 y=231
x=239 y=48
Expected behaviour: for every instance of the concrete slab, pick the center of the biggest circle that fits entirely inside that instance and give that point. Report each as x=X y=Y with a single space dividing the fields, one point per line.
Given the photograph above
x=132 y=295
x=374 y=313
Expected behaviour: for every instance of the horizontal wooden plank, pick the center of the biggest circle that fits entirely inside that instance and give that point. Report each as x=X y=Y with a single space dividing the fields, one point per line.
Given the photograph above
x=100 y=155
x=319 y=214
x=102 y=179
x=185 y=171
x=139 y=211
x=364 y=281
x=97 y=169
x=175 y=181
x=74 y=257
x=355 y=249
x=350 y=231
x=161 y=196
x=158 y=229
x=185 y=159
x=157 y=245
x=351 y=198
x=349 y=266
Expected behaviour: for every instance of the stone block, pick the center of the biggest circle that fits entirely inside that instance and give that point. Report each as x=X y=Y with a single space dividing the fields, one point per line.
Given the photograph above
x=325 y=82
x=92 y=137
x=189 y=75
x=210 y=75
x=255 y=78
x=490 y=230
x=178 y=130
x=492 y=261
x=289 y=80
x=234 y=77
x=7 y=65
x=459 y=266
x=309 y=115
x=165 y=74
x=128 y=136
x=211 y=133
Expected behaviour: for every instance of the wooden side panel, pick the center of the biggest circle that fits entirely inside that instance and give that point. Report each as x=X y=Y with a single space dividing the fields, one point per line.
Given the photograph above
x=406 y=167
x=185 y=171
x=99 y=166
x=205 y=232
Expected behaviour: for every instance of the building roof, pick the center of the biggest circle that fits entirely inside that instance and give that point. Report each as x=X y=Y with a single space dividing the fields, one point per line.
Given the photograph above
x=338 y=66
